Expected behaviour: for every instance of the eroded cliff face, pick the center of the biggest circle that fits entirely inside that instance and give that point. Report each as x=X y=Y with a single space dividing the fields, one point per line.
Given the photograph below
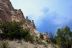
x=17 y=15
x=8 y=13
x=5 y=13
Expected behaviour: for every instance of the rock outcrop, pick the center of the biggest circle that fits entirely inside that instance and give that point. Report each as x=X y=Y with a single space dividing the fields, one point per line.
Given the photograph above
x=8 y=13
x=5 y=8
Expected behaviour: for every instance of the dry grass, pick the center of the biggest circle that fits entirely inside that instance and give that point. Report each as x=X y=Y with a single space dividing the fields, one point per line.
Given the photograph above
x=4 y=44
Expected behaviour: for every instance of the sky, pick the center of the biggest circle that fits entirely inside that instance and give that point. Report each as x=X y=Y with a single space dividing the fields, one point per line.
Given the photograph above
x=48 y=15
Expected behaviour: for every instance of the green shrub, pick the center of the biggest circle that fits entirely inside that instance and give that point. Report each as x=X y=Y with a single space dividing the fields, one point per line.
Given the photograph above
x=13 y=30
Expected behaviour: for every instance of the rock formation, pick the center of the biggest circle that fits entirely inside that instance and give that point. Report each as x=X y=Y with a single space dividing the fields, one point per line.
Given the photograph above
x=8 y=13
x=5 y=8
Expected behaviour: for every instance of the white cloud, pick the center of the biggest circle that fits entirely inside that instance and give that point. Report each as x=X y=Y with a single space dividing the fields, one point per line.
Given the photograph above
x=34 y=9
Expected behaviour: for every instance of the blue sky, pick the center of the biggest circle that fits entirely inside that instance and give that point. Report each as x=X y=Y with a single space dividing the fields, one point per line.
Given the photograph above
x=47 y=14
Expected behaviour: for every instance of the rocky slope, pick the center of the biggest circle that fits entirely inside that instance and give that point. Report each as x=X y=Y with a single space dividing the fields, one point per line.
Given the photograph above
x=9 y=14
